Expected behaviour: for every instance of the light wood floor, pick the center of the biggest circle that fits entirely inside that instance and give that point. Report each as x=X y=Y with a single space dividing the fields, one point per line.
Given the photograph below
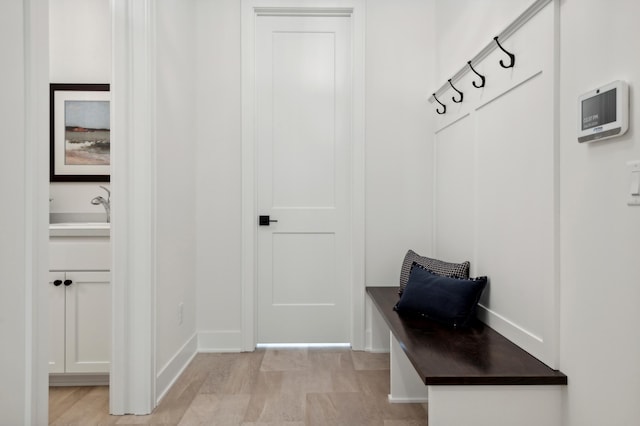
x=291 y=387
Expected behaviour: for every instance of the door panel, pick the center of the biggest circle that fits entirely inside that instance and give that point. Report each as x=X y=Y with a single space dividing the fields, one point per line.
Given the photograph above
x=88 y=322
x=303 y=100
x=303 y=119
x=303 y=277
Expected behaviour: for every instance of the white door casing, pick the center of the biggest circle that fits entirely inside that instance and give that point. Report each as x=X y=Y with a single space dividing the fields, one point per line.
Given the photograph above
x=353 y=11
x=133 y=365
x=302 y=140
x=133 y=361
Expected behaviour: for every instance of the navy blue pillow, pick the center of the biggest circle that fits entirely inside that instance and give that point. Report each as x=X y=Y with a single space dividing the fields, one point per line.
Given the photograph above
x=451 y=301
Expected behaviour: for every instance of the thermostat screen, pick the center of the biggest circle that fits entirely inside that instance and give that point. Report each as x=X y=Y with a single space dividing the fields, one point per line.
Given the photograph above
x=599 y=110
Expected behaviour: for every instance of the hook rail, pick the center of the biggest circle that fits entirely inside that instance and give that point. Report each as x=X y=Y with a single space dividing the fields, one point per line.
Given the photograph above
x=521 y=20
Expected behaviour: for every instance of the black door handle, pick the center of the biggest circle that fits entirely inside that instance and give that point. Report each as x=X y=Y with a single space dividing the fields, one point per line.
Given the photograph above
x=57 y=282
x=68 y=282
x=265 y=220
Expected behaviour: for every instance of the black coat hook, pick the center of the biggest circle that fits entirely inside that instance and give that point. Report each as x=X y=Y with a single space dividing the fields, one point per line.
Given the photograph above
x=459 y=92
x=483 y=79
x=511 y=55
x=444 y=107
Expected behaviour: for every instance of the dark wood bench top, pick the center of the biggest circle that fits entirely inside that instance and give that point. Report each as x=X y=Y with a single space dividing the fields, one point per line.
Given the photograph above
x=475 y=356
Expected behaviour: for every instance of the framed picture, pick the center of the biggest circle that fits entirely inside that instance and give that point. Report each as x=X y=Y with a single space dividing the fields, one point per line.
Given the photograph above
x=80 y=130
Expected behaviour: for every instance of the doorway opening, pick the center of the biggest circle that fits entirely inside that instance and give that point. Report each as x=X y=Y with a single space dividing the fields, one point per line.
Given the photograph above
x=79 y=288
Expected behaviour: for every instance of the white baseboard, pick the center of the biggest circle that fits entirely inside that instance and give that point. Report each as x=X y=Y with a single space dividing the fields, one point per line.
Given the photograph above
x=377 y=350
x=79 y=379
x=172 y=369
x=407 y=400
x=220 y=341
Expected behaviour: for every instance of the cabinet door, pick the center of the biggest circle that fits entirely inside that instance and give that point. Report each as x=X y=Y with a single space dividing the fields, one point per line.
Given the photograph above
x=56 y=323
x=88 y=322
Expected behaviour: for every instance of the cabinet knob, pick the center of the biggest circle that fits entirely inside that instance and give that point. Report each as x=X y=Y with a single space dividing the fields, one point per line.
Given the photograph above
x=57 y=282
x=68 y=282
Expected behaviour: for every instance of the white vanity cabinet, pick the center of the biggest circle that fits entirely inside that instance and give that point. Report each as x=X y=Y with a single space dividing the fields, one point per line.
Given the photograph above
x=79 y=305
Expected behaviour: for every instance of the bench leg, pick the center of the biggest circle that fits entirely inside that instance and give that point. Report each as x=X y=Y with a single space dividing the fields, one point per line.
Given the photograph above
x=406 y=385
x=495 y=405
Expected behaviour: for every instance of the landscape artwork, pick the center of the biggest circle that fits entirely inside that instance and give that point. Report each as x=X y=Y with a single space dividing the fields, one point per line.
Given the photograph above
x=80 y=133
x=87 y=133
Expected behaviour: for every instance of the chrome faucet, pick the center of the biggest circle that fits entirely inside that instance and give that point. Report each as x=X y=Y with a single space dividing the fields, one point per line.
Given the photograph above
x=105 y=203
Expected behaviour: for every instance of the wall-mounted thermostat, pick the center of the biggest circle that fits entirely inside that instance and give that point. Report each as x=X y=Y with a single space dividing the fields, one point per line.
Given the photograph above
x=603 y=113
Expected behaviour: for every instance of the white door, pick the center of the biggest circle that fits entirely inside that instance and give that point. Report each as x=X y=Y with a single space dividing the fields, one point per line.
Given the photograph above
x=303 y=143
x=88 y=322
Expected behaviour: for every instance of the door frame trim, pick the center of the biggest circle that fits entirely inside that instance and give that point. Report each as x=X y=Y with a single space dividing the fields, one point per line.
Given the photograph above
x=132 y=378
x=35 y=21
x=355 y=10
x=133 y=362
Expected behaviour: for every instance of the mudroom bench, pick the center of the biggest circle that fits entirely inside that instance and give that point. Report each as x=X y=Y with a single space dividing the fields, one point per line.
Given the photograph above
x=469 y=376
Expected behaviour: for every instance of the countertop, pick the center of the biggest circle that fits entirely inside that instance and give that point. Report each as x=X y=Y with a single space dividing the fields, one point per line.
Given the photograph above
x=80 y=229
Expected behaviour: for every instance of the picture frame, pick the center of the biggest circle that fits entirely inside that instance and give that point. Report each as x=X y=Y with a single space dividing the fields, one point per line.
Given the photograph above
x=80 y=132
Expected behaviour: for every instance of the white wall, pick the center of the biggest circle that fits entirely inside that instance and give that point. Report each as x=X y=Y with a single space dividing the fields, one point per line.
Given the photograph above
x=218 y=182
x=600 y=347
x=13 y=225
x=175 y=188
x=399 y=123
x=398 y=153
x=79 y=41
x=23 y=257
x=598 y=258
x=496 y=180
x=80 y=52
